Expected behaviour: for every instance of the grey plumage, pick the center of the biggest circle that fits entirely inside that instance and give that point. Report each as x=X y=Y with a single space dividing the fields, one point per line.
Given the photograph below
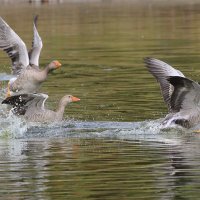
x=25 y=67
x=161 y=71
x=12 y=44
x=32 y=107
x=181 y=94
x=37 y=45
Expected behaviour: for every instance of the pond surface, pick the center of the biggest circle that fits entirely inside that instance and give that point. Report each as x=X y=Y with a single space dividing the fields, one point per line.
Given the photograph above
x=110 y=145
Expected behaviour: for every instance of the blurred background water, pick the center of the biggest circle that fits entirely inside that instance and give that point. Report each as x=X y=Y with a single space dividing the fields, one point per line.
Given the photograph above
x=110 y=146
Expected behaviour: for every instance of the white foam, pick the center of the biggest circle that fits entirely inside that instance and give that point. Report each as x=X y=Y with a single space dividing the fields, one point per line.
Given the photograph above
x=10 y=126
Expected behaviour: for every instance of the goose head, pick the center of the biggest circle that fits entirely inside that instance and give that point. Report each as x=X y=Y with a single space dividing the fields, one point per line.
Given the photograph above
x=68 y=99
x=54 y=65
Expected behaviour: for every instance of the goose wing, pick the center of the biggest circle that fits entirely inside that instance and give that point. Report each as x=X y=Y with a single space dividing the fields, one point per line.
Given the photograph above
x=34 y=53
x=161 y=71
x=186 y=95
x=12 y=44
x=26 y=103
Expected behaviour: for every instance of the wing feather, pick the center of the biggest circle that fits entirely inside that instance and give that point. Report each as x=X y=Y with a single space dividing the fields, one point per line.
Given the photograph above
x=186 y=94
x=34 y=53
x=26 y=103
x=161 y=71
x=12 y=44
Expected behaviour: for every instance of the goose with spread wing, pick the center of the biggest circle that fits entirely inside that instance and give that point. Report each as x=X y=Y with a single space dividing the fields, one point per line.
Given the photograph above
x=32 y=107
x=181 y=94
x=25 y=66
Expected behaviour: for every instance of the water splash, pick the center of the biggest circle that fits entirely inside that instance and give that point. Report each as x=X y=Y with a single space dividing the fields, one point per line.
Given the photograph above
x=146 y=131
x=15 y=127
x=10 y=126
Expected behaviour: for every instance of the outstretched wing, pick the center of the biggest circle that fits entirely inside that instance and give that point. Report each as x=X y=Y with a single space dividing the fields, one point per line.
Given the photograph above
x=186 y=94
x=161 y=71
x=12 y=44
x=26 y=102
x=34 y=53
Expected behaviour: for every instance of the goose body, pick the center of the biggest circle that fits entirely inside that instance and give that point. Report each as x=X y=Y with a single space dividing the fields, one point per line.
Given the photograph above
x=32 y=107
x=25 y=66
x=182 y=95
x=30 y=79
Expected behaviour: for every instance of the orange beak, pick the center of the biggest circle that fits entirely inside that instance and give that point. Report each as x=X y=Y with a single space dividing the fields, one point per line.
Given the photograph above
x=57 y=63
x=75 y=99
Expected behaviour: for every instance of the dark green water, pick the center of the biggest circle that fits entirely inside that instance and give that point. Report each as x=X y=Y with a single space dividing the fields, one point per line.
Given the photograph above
x=101 y=45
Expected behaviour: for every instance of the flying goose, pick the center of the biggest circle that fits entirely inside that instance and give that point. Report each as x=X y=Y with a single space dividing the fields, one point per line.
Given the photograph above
x=181 y=94
x=32 y=107
x=25 y=67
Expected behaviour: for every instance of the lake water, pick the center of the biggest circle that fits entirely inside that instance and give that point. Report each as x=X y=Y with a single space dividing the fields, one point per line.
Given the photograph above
x=110 y=145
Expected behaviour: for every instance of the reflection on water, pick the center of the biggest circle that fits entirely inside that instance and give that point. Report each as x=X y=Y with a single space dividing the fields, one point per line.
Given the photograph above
x=107 y=148
x=98 y=168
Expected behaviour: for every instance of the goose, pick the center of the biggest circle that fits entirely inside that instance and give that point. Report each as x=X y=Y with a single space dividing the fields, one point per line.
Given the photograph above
x=25 y=66
x=182 y=95
x=32 y=107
